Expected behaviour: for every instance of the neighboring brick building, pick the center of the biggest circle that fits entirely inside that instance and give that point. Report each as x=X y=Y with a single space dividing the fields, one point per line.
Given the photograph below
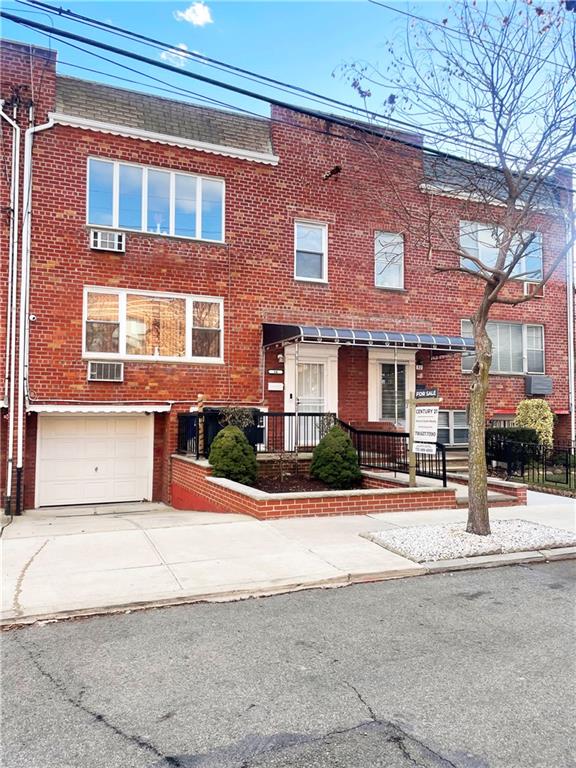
x=245 y=239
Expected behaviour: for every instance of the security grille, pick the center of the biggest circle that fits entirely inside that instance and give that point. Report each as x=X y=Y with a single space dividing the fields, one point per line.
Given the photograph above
x=104 y=371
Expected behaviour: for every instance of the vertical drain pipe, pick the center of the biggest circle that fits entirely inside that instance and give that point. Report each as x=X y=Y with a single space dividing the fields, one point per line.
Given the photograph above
x=570 y=311
x=9 y=380
x=24 y=296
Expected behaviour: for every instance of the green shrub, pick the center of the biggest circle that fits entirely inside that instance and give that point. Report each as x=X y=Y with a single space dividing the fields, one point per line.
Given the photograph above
x=335 y=461
x=514 y=434
x=232 y=456
x=536 y=414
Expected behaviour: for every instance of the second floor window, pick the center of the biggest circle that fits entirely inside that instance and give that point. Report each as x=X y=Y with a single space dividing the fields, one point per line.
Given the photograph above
x=135 y=324
x=125 y=196
x=482 y=240
x=516 y=348
x=311 y=251
x=388 y=260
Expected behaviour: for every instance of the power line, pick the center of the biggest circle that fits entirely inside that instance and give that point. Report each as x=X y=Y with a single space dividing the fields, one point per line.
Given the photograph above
x=342 y=122
x=479 y=144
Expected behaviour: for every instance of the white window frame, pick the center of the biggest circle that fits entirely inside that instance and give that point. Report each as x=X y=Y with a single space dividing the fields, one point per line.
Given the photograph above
x=122 y=293
x=377 y=356
x=322 y=225
x=451 y=428
x=144 y=230
x=400 y=238
x=520 y=267
x=525 y=371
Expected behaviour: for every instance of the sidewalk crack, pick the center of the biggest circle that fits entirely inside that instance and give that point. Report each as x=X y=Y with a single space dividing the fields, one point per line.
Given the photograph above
x=20 y=581
x=155 y=548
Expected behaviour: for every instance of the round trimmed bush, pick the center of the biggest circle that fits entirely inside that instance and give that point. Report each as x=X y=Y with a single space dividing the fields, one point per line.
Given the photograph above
x=536 y=414
x=335 y=461
x=233 y=457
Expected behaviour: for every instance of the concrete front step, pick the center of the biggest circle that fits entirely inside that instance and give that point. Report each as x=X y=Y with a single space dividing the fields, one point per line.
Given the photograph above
x=494 y=499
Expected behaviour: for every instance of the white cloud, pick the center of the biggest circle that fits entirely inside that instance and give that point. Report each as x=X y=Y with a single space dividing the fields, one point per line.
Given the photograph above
x=198 y=14
x=174 y=57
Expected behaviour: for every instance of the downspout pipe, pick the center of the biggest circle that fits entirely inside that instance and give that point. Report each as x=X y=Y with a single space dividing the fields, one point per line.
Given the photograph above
x=570 y=308
x=24 y=328
x=10 y=373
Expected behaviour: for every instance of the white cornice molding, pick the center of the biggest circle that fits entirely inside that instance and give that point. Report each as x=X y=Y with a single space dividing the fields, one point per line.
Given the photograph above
x=160 y=138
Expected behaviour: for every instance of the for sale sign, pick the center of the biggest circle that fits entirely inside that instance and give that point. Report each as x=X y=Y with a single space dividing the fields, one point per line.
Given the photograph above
x=425 y=429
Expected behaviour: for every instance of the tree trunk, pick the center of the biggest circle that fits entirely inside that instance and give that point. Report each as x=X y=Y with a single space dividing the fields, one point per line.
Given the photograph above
x=478 y=517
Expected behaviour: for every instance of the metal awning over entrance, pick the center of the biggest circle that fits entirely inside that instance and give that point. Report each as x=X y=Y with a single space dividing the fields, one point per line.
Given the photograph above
x=275 y=333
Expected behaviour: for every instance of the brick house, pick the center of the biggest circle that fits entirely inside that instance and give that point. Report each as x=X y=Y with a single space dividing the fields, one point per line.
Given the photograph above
x=258 y=262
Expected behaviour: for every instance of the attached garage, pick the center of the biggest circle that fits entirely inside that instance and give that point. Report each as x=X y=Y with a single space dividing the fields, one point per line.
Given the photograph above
x=94 y=458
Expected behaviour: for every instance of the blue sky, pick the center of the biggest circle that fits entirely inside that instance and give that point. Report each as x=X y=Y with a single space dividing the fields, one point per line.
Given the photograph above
x=298 y=42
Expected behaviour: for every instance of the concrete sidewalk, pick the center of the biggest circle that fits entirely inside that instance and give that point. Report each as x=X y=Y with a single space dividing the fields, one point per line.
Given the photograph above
x=86 y=560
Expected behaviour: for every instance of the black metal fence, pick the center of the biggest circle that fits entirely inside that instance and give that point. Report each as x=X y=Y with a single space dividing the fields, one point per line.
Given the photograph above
x=533 y=463
x=269 y=432
x=279 y=432
x=389 y=451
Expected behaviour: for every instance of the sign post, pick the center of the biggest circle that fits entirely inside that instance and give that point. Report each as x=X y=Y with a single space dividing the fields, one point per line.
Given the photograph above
x=423 y=427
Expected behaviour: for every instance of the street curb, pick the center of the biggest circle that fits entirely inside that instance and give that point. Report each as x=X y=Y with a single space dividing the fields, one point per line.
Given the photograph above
x=346 y=580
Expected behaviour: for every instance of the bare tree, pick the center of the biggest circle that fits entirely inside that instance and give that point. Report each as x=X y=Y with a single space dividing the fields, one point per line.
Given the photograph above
x=497 y=81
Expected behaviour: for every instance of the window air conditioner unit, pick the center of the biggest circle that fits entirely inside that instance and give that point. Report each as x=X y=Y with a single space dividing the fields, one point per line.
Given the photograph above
x=103 y=240
x=534 y=289
x=539 y=385
x=105 y=371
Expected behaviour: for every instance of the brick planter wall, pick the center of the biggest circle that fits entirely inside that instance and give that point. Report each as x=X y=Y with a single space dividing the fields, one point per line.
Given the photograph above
x=193 y=488
x=516 y=490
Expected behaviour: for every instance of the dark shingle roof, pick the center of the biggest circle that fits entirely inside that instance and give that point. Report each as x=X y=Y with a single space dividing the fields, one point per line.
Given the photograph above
x=106 y=104
x=464 y=177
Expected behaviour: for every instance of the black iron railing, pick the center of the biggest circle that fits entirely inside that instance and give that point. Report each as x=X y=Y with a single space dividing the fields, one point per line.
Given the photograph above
x=279 y=432
x=270 y=431
x=533 y=463
x=389 y=451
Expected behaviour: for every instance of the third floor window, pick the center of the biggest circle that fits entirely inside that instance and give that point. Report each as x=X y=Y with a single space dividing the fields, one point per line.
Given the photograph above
x=482 y=242
x=135 y=197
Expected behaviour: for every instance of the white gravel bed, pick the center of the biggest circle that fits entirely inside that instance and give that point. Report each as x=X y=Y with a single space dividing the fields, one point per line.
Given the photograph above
x=428 y=543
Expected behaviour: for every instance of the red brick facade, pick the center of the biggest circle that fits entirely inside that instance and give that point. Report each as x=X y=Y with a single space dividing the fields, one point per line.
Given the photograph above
x=191 y=489
x=253 y=271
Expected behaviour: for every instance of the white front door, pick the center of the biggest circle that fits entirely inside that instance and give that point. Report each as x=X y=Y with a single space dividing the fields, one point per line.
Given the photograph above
x=93 y=459
x=310 y=394
x=310 y=386
x=310 y=390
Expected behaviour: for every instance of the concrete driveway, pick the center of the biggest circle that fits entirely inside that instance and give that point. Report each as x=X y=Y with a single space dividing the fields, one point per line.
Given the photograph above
x=83 y=560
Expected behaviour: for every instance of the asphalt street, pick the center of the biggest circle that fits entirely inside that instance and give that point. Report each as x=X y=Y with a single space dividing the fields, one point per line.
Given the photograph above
x=464 y=670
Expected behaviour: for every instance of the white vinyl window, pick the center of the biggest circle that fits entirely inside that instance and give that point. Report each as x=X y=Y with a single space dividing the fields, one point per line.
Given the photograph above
x=388 y=260
x=481 y=242
x=453 y=427
x=516 y=348
x=142 y=199
x=311 y=251
x=121 y=323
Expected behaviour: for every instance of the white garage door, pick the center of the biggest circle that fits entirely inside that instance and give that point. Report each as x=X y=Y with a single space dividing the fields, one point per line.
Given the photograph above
x=85 y=459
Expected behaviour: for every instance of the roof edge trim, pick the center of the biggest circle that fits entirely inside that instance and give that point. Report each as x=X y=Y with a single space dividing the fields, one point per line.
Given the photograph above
x=74 y=121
